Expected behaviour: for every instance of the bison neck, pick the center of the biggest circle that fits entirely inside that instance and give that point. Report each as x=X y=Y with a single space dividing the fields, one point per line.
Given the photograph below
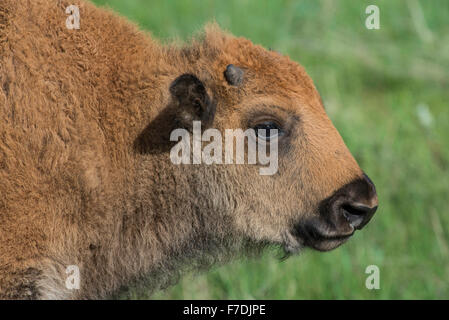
x=165 y=227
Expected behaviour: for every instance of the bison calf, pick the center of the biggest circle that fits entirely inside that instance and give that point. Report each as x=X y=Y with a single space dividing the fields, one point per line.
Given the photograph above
x=86 y=180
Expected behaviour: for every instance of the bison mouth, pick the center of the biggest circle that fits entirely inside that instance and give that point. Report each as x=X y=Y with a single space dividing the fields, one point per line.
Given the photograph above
x=320 y=236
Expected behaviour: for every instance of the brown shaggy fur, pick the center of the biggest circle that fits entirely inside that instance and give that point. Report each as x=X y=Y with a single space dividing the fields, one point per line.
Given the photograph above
x=85 y=178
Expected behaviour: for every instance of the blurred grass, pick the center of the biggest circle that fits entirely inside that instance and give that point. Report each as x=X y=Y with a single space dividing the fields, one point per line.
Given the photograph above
x=387 y=92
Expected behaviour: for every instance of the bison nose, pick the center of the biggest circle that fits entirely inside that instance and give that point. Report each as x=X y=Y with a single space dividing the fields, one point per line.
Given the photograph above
x=353 y=205
x=360 y=202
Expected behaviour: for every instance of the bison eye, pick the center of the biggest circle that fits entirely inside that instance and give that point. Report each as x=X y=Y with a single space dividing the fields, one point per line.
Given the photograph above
x=268 y=130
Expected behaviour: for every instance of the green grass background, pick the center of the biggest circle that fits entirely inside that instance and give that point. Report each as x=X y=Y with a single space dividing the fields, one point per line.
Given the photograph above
x=387 y=92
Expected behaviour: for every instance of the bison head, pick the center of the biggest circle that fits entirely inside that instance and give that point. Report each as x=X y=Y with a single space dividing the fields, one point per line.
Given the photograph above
x=318 y=195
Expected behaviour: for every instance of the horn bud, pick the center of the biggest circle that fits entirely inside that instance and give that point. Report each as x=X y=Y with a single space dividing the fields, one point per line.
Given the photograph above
x=234 y=75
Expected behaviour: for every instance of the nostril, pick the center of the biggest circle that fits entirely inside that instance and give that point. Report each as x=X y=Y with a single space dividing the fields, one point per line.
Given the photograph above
x=357 y=214
x=353 y=209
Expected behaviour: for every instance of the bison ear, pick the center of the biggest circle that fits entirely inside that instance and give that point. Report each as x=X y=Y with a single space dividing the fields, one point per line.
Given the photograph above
x=194 y=103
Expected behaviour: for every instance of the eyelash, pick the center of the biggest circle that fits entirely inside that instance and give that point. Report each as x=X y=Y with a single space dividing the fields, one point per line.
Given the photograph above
x=265 y=126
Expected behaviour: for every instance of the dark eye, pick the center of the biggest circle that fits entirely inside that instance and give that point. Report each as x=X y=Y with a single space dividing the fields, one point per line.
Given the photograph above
x=267 y=130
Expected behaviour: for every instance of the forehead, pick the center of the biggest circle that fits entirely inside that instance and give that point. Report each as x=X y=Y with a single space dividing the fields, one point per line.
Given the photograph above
x=267 y=73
